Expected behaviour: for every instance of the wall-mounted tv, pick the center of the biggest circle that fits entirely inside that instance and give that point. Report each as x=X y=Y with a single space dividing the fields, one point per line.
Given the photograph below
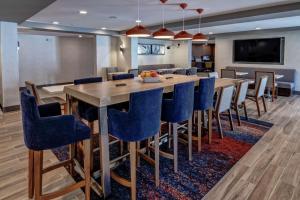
x=264 y=51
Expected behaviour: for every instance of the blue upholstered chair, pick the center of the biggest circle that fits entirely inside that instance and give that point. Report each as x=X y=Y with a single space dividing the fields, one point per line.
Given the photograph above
x=45 y=128
x=204 y=101
x=176 y=110
x=116 y=77
x=141 y=122
x=88 y=112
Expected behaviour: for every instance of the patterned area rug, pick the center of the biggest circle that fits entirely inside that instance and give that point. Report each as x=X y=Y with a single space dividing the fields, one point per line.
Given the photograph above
x=194 y=179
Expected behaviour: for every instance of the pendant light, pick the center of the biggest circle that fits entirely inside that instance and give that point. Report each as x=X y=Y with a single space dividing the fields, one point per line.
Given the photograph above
x=138 y=30
x=200 y=37
x=163 y=33
x=183 y=35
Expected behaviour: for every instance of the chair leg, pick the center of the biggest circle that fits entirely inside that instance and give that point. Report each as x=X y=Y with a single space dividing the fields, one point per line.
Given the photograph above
x=264 y=103
x=30 y=174
x=209 y=126
x=245 y=110
x=199 y=129
x=156 y=146
x=138 y=160
x=87 y=168
x=72 y=156
x=273 y=93
x=219 y=125
x=38 y=181
x=230 y=119
x=238 y=115
x=170 y=133
x=132 y=149
x=190 y=142
x=91 y=125
x=257 y=105
x=175 y=147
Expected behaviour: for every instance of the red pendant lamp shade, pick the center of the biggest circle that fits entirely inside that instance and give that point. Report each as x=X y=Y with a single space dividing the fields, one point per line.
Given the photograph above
x=163 y=33
x=200 y=37
x=183 y=35
x=138 y=31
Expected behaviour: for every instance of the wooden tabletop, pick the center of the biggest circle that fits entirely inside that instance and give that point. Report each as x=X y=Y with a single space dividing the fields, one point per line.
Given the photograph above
x=55 y=89
x=109 y=93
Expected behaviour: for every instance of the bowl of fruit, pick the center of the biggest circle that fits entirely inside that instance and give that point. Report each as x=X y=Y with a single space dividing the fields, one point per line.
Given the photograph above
x=150 y=77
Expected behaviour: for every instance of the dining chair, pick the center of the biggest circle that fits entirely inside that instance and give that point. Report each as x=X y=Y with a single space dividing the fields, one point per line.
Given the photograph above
x=191 y=71
x=176 y=110
x=259 y=93
x=45 y=128
x=33 y=90
x=89 y=113
x=110 y=70
x=116 y=77
x=213 y=74
x=228 y=73
x=135 y=72
x=204 y=102
x=141 y=122
x=271 y=84
x=180 y=71
x=224 y=104
x=240 y=99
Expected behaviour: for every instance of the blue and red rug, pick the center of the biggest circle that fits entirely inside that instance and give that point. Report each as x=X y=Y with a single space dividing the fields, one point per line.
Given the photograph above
x=194 y=179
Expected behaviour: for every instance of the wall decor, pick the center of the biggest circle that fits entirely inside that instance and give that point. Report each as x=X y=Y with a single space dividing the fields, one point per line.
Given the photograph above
x=158 y=49
x=144 y=49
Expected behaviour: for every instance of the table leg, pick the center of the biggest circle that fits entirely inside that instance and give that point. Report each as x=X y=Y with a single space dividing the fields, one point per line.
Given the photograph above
x=104 y=151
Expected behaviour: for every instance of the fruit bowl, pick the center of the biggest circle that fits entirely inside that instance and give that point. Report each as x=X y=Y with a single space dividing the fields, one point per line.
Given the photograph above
x=150 y=77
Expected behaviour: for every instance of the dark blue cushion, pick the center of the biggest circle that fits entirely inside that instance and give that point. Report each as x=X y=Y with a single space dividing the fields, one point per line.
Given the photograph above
x=204 y=95
x=42 y=133
x=141 y=121
x=85 y=110
x=180 y=107
x=51 y=109
x=122 y=76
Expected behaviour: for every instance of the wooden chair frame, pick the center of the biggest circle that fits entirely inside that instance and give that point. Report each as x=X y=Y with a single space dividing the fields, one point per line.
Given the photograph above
x=236 y=106
x=273 y=89
x=36 y=171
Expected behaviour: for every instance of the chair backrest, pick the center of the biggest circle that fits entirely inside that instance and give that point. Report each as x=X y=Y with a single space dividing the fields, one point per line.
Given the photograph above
x=144 y=113
x=241 y=92
x=213 y=74
x=191 y=71
x=204 y=96
x=88 y=80
x=270 y=75
x=180 y=71
x=135 y=72
x=111 y=69
x=33 y=90
x=224 y=99
x=228 y=73
x=260 y=87
x=116 y=77
x=30 y=115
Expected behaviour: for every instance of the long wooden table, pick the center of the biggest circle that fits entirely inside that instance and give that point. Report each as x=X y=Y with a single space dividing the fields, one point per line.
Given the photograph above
x=108 y=93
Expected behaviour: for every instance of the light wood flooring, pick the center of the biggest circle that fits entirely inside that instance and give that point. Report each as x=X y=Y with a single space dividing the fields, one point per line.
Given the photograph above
x=270 y=170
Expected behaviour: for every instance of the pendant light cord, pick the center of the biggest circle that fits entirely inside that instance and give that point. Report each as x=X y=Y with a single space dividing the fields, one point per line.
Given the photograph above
x=183 y=19
x=139 y=20
x=199 y=28
x=163 y=9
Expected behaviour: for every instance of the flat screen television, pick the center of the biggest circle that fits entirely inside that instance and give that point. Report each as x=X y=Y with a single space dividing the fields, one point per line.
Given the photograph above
x=264 y=51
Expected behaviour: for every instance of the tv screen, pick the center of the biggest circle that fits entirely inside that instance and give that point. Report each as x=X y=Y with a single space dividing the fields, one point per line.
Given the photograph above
x=268 y=50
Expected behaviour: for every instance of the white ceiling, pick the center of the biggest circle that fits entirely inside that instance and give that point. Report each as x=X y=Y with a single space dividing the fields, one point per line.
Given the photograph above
x=100 y=11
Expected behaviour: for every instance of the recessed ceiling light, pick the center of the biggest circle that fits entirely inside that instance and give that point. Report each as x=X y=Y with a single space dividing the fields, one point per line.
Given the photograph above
x=258 y=28
x=56 y=23
x=138 y=21
x=80 y=36
x=103 y=28
x=112 y=17
x=83 y=12
x=210 y=33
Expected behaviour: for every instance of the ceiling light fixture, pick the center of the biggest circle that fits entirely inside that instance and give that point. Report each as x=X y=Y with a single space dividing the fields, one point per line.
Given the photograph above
x=138 y=30
x=163 y=33
x=200 y=37
x=83 y=12
x=183 y=35
x=80 y=36
x=103 y=28
x=210 y=33
x=258 y=28
x=55 y=23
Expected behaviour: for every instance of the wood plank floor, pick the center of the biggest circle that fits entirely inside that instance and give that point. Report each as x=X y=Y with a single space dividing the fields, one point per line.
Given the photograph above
x=270 y=170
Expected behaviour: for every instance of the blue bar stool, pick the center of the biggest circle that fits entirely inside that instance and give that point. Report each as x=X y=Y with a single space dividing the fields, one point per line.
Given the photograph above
x=89 y=113
x=116 y=77
x=176 y=110
x=204 y=101
x=142 y=121
x=45 y=128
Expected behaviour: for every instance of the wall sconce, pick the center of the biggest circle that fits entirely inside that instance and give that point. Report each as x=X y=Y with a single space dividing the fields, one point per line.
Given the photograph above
x=122 y=47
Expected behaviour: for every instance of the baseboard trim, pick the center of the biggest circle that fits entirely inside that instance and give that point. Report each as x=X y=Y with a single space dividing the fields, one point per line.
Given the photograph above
x=10 y=108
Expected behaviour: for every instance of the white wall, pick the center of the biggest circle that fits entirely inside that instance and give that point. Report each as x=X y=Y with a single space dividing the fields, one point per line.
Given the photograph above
x=127 y=57
x=224 y=51
x=178 y=55
x=51 y=59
